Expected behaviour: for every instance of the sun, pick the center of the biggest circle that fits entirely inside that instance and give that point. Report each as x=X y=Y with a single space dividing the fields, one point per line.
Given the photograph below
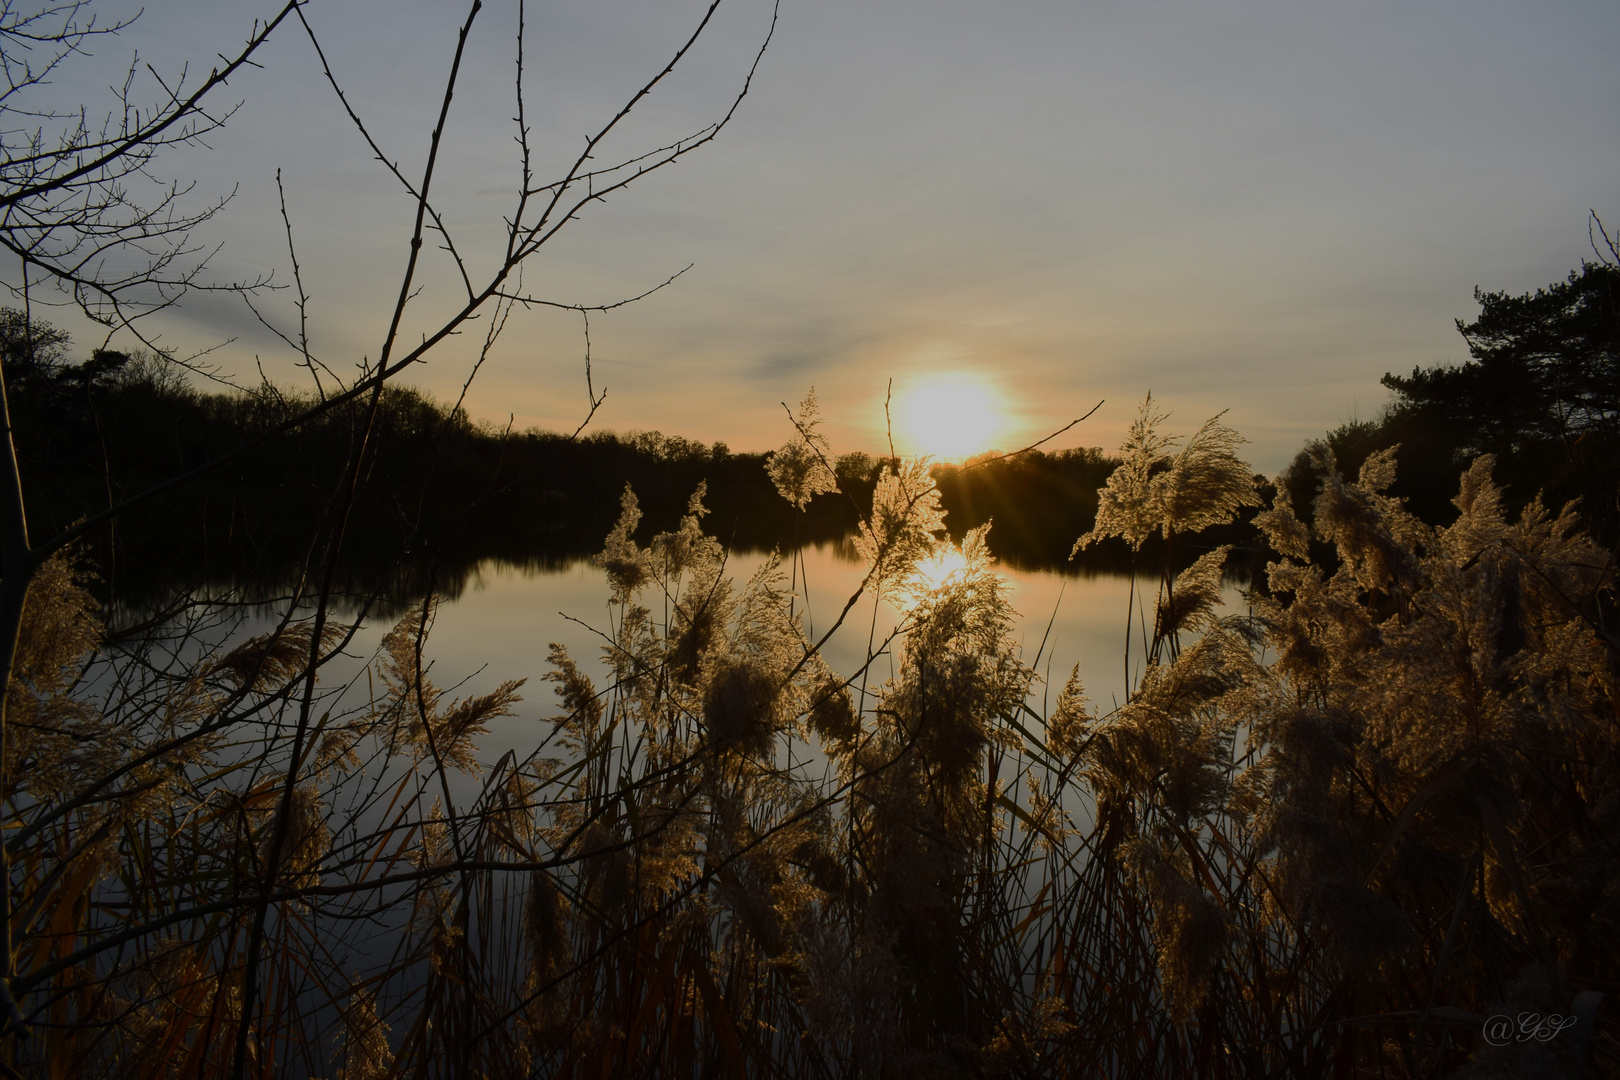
x=951 y=415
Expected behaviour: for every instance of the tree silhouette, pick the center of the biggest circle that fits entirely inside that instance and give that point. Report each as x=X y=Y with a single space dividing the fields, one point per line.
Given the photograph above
x=1545 y=370
x=1541 y=392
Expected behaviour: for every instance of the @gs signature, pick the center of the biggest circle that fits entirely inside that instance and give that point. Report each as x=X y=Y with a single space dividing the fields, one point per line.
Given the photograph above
x=1502 y=1029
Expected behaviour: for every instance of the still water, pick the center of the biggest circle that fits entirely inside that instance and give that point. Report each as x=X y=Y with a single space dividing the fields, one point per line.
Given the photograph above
x=500 y=626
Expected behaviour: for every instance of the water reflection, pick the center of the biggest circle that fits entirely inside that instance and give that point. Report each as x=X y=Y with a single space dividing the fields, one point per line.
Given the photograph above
x=503 y=620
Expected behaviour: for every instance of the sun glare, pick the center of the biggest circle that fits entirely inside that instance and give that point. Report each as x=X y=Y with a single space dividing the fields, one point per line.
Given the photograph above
x=951 y=415
x=937 y=569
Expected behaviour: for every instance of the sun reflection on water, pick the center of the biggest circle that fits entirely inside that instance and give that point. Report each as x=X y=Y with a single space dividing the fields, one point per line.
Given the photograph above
x=933 y=572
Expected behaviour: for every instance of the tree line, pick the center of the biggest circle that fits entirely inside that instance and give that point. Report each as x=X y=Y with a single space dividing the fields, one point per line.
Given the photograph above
x=445 y=492
x=1541 y=393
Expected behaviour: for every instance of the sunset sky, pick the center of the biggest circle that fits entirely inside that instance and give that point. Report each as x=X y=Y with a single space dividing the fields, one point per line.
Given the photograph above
x=1259 y=207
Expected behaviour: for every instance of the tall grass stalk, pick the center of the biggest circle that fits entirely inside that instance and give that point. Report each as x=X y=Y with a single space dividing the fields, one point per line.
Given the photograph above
x=1327 y=837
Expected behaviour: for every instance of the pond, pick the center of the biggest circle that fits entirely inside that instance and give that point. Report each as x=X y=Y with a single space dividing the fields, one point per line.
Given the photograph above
x=500 y=624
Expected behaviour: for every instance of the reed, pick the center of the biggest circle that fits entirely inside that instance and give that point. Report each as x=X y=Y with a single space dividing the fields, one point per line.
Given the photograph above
x=1326 y=837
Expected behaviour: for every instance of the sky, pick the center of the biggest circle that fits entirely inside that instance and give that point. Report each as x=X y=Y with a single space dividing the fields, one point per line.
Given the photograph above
x=1253 y=207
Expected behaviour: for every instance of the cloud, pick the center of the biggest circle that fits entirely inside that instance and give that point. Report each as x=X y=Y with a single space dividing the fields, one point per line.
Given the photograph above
x=1255 y=204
